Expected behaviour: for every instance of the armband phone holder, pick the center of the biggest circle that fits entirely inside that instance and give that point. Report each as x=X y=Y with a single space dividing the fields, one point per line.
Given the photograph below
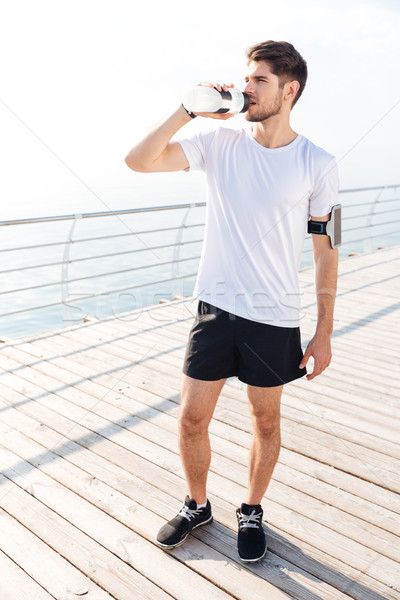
x=332 y=228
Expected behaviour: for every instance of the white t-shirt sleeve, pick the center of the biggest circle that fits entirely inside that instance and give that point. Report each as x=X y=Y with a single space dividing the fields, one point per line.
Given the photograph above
x=195 y=149
x=325 y=192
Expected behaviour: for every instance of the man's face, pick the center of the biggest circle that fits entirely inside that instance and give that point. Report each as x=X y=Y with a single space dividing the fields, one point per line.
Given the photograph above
x=264 y=91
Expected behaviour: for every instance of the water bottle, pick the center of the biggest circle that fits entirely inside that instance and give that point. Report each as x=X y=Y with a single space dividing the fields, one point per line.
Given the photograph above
x=202 y=98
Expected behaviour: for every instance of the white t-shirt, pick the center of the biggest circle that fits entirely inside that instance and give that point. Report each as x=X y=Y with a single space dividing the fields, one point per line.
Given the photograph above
x=258 y=204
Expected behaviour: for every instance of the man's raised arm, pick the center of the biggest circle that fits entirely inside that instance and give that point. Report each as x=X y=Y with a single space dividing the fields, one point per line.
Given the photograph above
x=155 y=152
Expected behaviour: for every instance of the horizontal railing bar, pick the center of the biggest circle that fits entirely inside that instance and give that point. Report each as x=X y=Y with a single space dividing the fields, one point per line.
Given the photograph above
x=140 y=285
x=118 y=235
x=124 y=252
x=370 y=189
x=375 y=214
x=174 y=245
x=86 y=277
x=75 y=260
x=24 y=310
x=370 y=237
x=129 y=211
x=46 y=265
x=366 y=227
x=111 y=213
x=132 y=287
x=102 y=237
x=377 y=202
x=386 y=233
x=34 y=246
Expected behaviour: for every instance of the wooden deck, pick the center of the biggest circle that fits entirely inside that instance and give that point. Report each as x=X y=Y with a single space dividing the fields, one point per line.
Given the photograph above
x=90 y=468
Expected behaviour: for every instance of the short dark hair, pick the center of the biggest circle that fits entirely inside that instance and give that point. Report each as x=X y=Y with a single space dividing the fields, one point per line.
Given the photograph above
x=286 y=62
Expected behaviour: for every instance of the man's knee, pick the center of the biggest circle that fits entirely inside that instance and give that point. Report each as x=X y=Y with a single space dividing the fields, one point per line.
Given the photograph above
x=193 y=417
x=198 y=399
x=265 y=410
x=192 y=423
x=266 y=426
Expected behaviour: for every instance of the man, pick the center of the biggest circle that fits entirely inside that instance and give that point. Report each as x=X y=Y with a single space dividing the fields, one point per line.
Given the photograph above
x=262 y=187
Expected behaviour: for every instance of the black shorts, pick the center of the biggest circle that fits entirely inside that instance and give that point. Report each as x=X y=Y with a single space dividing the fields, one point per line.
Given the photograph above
x=223 y=345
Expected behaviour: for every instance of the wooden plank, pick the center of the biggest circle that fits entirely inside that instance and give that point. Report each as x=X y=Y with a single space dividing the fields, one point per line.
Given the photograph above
x=349 y=397
x=148 y=495
x=359 y=352
x=341 y=403
x=138 y=517
x=134 y=549
x=331 y=423
x=352 y=306
x=338 y=380
x=15 y=584
x=116 y=347
x=346 y=462
x=365 y=364
x=124 y=462
x=110 y=337
x=112 y=475
x=238 y=450
x=336 y=386
x=108 y=324
x=369 y=492
x=86 y=371
x=130 y=548
x=295 y=388
x=105 y=415
x=98 y=564
x=34 y=556
x=372 y=468
x=221 y=483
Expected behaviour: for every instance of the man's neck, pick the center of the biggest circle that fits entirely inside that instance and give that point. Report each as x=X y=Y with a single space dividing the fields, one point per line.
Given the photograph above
x=272 y=133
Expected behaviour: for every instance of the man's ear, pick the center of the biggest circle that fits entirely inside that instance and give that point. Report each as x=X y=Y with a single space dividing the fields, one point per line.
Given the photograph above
x=292 y=87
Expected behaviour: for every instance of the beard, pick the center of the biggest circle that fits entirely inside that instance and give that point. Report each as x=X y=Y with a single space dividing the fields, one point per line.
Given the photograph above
x=265 y=112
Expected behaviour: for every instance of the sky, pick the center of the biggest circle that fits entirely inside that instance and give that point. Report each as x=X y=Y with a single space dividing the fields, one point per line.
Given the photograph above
x=81 y=81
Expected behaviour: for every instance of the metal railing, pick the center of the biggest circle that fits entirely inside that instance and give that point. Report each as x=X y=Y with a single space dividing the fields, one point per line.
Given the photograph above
x=150 y=252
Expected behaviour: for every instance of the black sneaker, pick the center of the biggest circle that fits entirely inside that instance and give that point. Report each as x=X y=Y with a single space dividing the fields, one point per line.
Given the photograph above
x=175 y=532
x=252 y=545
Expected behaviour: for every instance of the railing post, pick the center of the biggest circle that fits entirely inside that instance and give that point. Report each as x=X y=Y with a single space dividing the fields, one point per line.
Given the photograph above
x=367 y=243
x=177 y=284
x=69 y=316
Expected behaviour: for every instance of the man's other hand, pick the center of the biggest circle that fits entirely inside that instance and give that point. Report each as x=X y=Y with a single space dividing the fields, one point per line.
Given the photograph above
x=319 y=348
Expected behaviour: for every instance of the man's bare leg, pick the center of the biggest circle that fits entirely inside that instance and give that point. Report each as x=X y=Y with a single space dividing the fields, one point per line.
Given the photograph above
x=265 y=410
x=198 y=400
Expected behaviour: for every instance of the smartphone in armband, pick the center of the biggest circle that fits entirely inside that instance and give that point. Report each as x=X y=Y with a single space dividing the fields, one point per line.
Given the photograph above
x=332 y=228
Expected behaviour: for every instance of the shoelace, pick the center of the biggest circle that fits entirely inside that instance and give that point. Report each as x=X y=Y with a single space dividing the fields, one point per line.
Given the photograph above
x=245 y=520
x=189 y=513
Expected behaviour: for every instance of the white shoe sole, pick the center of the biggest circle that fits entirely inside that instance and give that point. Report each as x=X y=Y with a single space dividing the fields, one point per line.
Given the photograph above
x=252 y=560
